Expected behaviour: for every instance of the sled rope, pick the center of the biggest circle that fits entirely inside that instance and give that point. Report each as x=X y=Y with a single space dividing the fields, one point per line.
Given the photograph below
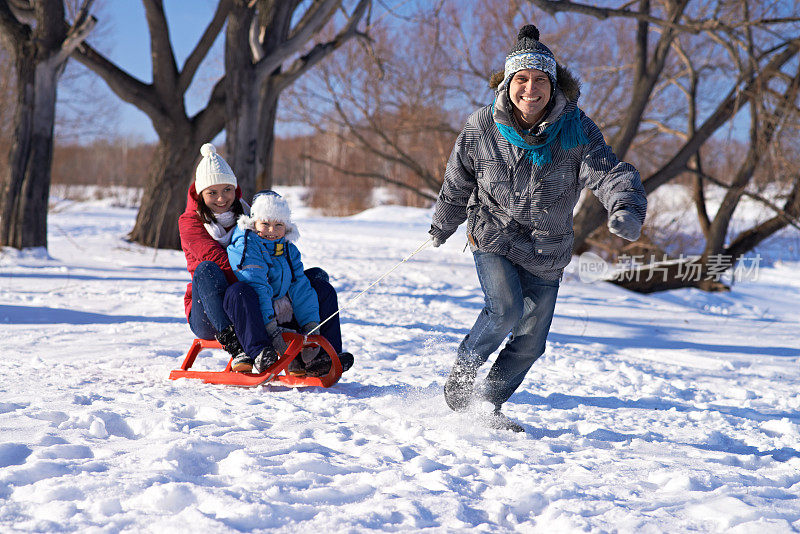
x=376 y=282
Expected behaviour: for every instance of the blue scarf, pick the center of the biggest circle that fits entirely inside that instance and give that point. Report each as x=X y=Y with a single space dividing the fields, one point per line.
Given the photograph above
x=567 y=128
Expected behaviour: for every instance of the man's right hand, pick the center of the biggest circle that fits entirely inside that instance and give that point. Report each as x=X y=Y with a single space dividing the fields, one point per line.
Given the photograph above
x=436 y=241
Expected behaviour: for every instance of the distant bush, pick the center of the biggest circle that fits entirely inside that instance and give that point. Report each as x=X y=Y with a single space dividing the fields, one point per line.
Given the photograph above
x=118 y=162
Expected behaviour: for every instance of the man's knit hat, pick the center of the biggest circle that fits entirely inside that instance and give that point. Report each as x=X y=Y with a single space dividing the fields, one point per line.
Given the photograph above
x=212 y=170
x=268 y=205
x=529 y=53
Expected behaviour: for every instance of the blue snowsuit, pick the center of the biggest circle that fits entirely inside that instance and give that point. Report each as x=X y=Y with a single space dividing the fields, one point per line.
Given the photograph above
x=264 y=265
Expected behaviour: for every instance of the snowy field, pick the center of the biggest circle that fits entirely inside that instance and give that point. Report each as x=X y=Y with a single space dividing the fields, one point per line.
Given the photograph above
x=674 y=412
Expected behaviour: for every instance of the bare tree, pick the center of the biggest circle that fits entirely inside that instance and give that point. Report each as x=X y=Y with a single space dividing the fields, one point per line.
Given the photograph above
x=388 y=102
x=40 y=41
x=724 y=60
x=259 y=39
x=163 y=101
x=264 y=56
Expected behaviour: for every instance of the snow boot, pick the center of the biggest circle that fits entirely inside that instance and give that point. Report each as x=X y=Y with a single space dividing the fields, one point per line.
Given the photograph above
x=296 y=367
x=458 y=388
x=319 y=366
x=241 y=363
x=347 y=360
x=266 y=359
x=500 y=421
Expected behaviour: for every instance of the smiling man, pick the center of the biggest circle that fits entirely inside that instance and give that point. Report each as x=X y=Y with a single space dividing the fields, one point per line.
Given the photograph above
x=515 y=175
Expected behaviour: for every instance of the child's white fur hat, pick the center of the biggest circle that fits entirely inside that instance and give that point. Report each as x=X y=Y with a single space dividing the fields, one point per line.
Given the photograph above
x=268 y=205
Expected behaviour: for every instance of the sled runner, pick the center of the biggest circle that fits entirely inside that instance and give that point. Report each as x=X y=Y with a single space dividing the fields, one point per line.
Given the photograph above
x=228 y=377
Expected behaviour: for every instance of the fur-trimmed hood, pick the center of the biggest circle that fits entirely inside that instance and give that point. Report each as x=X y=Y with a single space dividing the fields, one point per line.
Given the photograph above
x=567 y=83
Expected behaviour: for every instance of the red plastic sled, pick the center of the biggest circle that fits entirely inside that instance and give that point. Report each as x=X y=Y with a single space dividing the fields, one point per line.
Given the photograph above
x=296 y=343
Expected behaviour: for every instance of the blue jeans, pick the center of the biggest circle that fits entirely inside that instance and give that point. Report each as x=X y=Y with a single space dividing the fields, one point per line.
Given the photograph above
x=515 y=302
x=216 y=305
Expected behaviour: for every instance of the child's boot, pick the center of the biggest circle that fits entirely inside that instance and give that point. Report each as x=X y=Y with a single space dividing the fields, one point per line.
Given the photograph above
x=241 y=363
x=266 y=359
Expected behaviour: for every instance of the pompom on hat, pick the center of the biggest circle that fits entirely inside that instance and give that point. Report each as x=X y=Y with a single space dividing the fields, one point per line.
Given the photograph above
x=529 y=53
x=212 y=170
x=268 y=205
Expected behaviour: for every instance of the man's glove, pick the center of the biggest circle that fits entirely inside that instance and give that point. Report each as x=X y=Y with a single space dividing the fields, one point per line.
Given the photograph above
x=625 y=224
x=309 y=353
x=437 y=241
x=274 y=332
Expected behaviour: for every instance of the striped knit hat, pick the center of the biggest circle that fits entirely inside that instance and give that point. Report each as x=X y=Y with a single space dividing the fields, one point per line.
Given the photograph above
x=529 y=53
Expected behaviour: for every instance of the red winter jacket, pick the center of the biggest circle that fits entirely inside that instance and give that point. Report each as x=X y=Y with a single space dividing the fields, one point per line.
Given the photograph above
x=198 y=245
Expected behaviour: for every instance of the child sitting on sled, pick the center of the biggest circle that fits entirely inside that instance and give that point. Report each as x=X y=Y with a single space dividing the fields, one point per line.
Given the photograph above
x=263 y=255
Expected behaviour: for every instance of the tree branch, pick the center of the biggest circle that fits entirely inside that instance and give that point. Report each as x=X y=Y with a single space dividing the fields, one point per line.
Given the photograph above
x=77 y=33
x=165 y=70
x=748 y=239
x=312 y=23
x=124 y=85
x=203 y=46
x=210 y=120
x=552 y=7
x=322 y=50
x=755 y=196
x=733 y=101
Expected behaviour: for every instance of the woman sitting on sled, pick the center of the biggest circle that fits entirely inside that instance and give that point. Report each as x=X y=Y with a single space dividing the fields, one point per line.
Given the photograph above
x=217 y=304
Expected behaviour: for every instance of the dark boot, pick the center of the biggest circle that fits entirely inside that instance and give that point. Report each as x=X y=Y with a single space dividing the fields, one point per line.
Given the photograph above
x=500 y=421
x=241 y=363
x=347 y=360
x=321 y=365
x=458 y=388
x=266 y=359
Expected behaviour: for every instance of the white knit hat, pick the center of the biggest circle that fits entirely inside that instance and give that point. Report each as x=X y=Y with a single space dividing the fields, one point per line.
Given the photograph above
x=212 y=170
x=268 y=205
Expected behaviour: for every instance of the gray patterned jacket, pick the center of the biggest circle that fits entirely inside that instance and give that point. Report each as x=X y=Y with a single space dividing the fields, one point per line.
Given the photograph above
x=522 y=211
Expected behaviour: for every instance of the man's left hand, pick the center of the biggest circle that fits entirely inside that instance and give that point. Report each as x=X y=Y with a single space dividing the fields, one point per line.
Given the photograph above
x=625 y=224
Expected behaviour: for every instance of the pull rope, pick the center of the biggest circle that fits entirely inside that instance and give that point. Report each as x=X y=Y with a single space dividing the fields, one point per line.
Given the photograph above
x=376 y=282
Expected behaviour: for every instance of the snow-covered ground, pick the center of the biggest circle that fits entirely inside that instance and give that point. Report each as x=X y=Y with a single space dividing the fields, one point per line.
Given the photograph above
x=672 y=412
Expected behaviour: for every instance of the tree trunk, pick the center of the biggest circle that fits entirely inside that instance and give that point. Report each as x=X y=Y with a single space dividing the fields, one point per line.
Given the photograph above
x=261 y=75
x=591 y=216
x=27 y=183
x=40 y=43
x=749 y=239
x=241 y=103
x=164 y=197
x=266 y=137
x=674 y=274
